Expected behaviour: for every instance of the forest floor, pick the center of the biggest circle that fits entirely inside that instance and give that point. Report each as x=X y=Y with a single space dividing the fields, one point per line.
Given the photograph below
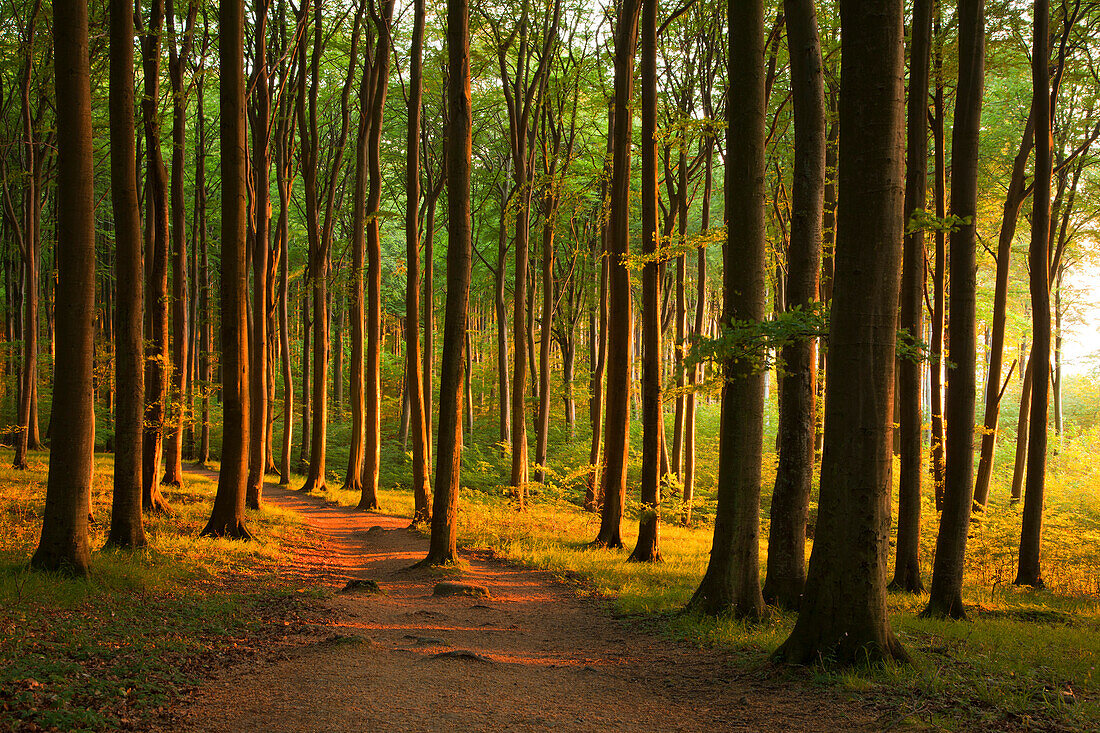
x=540 y=652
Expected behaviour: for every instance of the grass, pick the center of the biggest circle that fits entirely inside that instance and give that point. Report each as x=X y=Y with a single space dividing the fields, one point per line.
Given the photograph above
x=123 y=645
x=1024 y=662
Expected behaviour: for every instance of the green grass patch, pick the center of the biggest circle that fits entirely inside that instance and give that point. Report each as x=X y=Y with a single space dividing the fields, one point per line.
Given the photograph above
x=121 y=646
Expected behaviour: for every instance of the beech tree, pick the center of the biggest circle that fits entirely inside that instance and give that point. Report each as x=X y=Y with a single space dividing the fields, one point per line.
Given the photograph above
x=731 y=583
x=64 y=542
x=126 y=526
x=945 y=598
x=619 y=330
x=786 y=572
x=843 y=613
x=913 y=278
x=444 y=524
x=227 y=517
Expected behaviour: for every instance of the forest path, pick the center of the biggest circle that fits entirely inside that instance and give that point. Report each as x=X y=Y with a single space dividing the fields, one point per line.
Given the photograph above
x=533 y=656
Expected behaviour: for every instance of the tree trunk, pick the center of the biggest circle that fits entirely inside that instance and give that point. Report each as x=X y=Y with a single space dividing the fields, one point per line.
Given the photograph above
x=843 y=614
x=504 y=414
x=156 y=310
x=179 y=52
x=444 y=525
x=353 y=479
x=282 y=165
x=945 y=595
x=619 y=327
x=64 y=542
x=913 y=276
x=372 y=455
x=1014 y=199
x=206 y=308
x=648 y=548
x=786 y=574
x=731 y=583
x=227 y=516
x=937 y=353
x=126 y=527
x=1029 y=571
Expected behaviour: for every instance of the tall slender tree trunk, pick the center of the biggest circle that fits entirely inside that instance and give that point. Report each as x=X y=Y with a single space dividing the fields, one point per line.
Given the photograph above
x=786 y=574
x=64 y=542
x=444 y=525
x=259 y=115
x=179 y=51
x=619 y=327
x=1029 y=571
x=156 y=310
x=593 y=494
x=353 y=479
x=372 y=455
x=206 y=308
x=937 y=352
x=731 y=583
x=282 y=159
x=648 y=548
x=413 y=366
x=843 y=614
x=913 y=277
x=126 y=525
x=227 y=515
x=1014 y=199
x=504 y=414
x=945 y=593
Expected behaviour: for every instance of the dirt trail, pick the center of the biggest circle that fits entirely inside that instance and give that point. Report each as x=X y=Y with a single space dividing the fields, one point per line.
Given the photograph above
x=541 y=656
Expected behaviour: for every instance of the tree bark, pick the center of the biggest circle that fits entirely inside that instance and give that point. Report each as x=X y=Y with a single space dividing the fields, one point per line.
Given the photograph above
x=179 y=52
x=156 y=310
x=126 y=526
x=731 y=583
x=945 y=593
x=1014 y=199
x=619 y=327
x=64 y=542
x=227 y=516
x=648 y=548
x=843 y=614
x=372 y=455
x=1029 y=571
x=786 y=574
x=413 y=365
x=913 y=276
x=444 y=525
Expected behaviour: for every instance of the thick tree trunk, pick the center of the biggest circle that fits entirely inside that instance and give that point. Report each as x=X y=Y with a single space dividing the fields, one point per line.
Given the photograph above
x=64 y=542
x=913 y=276
x=786 y=574
x=843 y=614
x=1029 y=571
x=619 y=327
x=945 y=593
x=731 y=583
x=126 y=525
x=444 y=525
x=227 y=516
